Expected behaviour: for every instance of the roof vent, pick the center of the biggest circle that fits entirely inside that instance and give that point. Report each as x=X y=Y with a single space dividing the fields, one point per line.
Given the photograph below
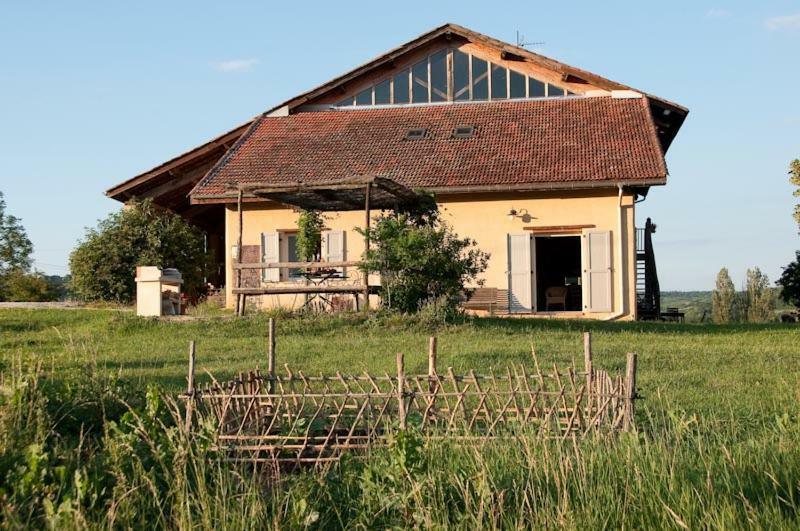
x=416 y=134
x=464 y=131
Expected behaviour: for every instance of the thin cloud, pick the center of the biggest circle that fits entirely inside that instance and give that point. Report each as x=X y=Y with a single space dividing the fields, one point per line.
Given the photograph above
x=235 y=65
x=783 y=22
x=717 y=13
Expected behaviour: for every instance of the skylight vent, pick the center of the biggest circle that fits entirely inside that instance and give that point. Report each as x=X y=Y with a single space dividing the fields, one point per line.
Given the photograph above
x=464 y=131
x=417 y=133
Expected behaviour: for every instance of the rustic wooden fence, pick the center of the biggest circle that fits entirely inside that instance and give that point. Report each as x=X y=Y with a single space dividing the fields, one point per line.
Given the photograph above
x=300 y=418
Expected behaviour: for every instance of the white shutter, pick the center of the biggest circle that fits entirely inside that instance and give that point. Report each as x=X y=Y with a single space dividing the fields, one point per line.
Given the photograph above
x=597 y=271
x=521 y=260
x=333 y=247
x=270 y=253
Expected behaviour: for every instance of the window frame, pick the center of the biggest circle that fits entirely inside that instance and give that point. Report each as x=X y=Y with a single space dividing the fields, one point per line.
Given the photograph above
x=449 y=62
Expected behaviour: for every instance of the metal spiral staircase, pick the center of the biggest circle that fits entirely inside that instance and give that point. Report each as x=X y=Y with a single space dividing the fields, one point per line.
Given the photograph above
x=648 y=292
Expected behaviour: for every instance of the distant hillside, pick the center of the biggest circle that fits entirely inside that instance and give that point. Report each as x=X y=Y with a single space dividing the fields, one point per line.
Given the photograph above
x=694 y=303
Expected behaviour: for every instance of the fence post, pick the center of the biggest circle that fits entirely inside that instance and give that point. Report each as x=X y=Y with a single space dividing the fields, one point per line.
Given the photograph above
x=589 y=367
x=401 y=383
x=432 y=363
x=190 y=388
x=271 y=358
x=630 y=391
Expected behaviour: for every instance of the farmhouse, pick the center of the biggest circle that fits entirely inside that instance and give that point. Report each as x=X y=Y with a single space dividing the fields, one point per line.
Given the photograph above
x=541 y=163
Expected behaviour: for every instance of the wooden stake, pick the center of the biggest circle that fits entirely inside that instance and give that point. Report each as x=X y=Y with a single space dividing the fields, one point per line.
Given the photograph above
x=239 y=253
x=401 y=384
x=271 y=357
x=630 y=391
x=366 y=243
x=432 y=356
x=433 y=378
x=190 y=388
x=589 y=367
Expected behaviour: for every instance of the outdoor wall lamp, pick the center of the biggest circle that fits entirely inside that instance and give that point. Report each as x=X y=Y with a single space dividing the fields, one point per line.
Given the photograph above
x=522 y=214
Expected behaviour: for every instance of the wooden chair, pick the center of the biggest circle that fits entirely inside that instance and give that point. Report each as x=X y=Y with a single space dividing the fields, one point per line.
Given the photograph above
x=555 y=296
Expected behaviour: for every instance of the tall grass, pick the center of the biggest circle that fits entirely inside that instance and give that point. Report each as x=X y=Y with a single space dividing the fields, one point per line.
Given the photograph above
x=134 y=468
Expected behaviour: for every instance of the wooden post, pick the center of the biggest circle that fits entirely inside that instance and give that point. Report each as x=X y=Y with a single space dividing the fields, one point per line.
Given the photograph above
x=401 y=384
x=239 y=253
x=190 y=388
x=367 y=193
x=589 y=367
x=630 y=391
x=271 y=358
x=432 y=376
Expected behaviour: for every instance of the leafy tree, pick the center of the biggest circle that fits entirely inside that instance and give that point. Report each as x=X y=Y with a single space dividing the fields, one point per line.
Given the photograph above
x=15 y=247
x=790 y=282
x=103 y=265
x=18 y=285
x=420 y=258
x=794 y=177
x=723 y=298
x=309 y=235
x=759 y=296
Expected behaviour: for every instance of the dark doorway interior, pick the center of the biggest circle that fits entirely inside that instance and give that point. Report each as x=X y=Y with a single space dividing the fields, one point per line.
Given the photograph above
x=558 y=273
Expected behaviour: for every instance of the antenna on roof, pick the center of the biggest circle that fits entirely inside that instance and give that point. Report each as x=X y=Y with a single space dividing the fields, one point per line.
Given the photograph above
x=522 y=44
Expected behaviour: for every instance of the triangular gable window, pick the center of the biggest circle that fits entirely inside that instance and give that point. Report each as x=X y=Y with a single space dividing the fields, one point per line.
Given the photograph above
x=452 y=75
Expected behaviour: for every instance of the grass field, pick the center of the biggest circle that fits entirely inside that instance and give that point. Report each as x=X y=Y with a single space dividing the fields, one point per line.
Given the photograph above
x=718 y=426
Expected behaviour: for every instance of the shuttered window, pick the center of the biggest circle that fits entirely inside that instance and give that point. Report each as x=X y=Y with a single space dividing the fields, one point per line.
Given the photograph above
x=597 y=271
x=270 y=253
x=333 y=247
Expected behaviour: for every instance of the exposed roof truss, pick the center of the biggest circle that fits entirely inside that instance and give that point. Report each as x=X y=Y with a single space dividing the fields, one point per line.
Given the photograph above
x=343 y=195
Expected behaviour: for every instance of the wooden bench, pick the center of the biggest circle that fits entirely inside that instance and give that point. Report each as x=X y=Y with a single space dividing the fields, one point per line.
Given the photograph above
x=492 y=300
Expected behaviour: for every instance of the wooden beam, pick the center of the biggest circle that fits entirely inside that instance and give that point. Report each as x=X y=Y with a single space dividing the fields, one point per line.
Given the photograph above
x=300 y=288
x=296 y=265
x=239 y=252
x=185 y=179
x=559 y=228
x=367 y=192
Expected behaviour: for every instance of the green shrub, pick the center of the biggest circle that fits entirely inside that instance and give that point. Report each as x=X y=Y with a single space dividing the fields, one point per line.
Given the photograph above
x=420 y=258
x=19 y=285
x=309 y=235
x=103 y=265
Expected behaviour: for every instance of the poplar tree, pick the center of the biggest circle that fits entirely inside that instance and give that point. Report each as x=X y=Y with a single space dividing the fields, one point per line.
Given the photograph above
x=760 y=297
x=723 y=298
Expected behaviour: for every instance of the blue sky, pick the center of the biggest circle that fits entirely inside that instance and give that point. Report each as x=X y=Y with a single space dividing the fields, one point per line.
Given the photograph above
x=94 y=93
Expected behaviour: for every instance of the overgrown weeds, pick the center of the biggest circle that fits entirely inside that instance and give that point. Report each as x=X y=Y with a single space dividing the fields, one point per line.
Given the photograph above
x=136 y=468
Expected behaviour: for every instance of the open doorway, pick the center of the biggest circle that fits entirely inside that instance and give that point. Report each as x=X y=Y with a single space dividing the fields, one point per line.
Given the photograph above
x=558 y=273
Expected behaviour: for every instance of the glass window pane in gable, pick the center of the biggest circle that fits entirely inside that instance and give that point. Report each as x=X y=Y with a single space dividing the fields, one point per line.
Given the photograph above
x=535 y=88
x=553 y=90
x=364 y=97
x=480 y=79
x=517 y=85
x=499 y=86
x=401 y=87
x=382 y=93
x=419 y=82
x=439 y=76
x=460 y=76
x=345 y=102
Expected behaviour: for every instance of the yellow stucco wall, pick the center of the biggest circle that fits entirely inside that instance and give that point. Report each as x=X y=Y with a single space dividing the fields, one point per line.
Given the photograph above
x=481 y=217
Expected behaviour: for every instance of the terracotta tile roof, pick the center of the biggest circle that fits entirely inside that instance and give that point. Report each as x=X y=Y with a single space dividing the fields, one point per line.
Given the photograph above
x=555 y=143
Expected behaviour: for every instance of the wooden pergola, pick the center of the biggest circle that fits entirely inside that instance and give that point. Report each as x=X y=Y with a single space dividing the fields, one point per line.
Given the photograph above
x=367 y=193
